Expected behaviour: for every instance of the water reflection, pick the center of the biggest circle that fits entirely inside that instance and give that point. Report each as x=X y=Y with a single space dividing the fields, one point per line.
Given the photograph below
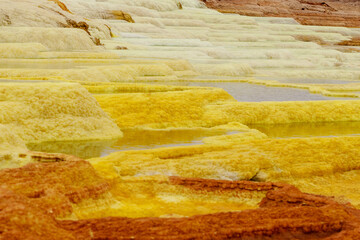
x=307 y=81
x=141 y=139
x=314 y=81
x=132 y=140
x=309 y=129
x=246 y=92
x=82 y=149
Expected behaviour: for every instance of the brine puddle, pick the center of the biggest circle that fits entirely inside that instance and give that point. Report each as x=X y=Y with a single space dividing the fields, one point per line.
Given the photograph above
x=132 y=140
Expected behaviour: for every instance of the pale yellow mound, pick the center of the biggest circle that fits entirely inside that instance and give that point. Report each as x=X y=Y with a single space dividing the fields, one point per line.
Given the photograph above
x=37 y=111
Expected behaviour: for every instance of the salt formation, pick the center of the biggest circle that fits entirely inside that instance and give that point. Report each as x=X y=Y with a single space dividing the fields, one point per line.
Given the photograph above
x=76 y=72
x=215 y=43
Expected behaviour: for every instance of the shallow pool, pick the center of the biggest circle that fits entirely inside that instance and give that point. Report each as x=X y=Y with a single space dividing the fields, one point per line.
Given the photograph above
x=132 y=140
x=246 y=92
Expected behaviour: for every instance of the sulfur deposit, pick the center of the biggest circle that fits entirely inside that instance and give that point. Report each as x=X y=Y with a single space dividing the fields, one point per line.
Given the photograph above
x=167 y=119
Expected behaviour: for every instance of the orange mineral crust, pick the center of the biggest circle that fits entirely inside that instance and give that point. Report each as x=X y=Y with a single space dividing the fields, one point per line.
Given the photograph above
x=285 y=213
x=54 y=186
x=344 y=13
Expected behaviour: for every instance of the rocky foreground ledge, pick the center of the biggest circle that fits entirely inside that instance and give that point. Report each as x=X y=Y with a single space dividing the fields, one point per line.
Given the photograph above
x=345 y=13
x=34 y=197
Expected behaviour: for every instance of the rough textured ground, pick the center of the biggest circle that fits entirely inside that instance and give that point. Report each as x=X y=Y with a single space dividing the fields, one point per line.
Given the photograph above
x=55 y=186
x=285 y=212
x=309 y=12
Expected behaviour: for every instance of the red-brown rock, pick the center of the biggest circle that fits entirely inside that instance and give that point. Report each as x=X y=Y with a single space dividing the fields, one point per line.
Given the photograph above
x=21 y=219
x=308 y=12
x=55 y=186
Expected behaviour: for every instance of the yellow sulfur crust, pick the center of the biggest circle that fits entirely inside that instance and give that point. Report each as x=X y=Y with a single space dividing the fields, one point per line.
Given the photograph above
x=330 y=161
